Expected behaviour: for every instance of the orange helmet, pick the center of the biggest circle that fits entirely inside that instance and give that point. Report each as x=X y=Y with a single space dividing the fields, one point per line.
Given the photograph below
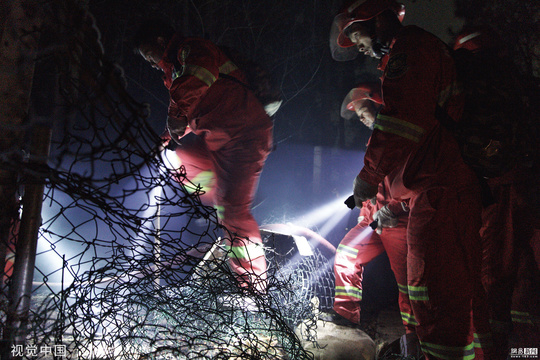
x=359 y=10
x=367 y=91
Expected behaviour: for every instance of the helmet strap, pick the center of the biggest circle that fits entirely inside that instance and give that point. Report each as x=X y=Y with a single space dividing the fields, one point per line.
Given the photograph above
x=387 y=26
x=380 y=49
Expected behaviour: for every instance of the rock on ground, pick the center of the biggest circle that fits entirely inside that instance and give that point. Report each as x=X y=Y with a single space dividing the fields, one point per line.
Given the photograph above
x=329 y=341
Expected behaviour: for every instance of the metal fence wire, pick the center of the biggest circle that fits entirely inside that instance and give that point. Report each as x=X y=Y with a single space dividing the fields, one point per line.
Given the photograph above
x=128 y=262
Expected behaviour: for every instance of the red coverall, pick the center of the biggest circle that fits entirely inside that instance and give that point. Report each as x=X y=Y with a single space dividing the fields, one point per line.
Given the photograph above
x=444 y=249
x=510 y=271
x=234 y=138
x=360 y=246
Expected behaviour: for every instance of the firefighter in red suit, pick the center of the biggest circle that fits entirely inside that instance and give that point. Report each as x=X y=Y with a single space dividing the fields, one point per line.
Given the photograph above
x=423 y=165
x=509 y=270
x=362 y=244
x=227 y=131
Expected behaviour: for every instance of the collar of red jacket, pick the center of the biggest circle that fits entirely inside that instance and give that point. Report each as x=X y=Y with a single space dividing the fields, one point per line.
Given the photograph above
x=172 y=47
x=167 y=63
x=384 y=60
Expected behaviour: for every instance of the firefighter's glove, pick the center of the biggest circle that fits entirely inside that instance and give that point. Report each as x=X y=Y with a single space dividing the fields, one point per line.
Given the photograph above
x=385 y=218
x=363 y=191
x=177 y=127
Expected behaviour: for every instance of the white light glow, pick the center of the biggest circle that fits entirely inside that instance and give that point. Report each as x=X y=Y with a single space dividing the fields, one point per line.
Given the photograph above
x=336 y=216
x=171 y=160
x=321 y=214
x=361 y=236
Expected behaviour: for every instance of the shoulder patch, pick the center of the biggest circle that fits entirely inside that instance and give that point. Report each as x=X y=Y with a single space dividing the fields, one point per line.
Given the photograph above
x=397 y=66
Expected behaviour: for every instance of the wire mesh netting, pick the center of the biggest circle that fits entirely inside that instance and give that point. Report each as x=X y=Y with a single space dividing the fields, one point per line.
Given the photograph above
x=129 y=263
x=126 y=307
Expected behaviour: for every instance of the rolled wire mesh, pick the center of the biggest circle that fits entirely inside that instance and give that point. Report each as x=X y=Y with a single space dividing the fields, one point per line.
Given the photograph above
x=129 y=262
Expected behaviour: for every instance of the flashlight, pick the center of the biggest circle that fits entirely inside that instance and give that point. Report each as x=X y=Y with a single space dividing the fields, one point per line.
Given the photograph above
x=350 y=202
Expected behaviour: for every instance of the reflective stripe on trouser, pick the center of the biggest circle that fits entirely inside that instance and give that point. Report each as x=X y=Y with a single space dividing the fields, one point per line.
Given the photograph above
x=359 y=246
x=395 y=243
x=525 y=328
x=247 y=260
x=238 y=166
x=405 y=308
x=510 y=273
x=197 y=163
x=443 y=242
x=521 y=317
x=435 y=351
x=483 y=345
x=246 y=255
x=483 y=339
x=349 y=291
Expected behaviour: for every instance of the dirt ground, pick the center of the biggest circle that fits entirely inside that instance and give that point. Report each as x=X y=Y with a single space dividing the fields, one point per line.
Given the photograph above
x=384 y=327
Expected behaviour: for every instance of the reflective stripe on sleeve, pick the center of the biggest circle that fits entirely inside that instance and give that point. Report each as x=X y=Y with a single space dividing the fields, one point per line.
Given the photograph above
x=399 y=127
x=349 y=291
x=347 y=251
x=227 y=68
x=449 y=352
x=200 y=73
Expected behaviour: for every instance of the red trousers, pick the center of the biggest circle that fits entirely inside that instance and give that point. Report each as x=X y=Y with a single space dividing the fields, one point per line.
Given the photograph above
x=443 y=269
x=231 y=174
x=358 y=248
x=509 y=270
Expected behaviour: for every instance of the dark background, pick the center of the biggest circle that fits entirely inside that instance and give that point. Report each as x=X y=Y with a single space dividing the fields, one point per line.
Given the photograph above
x=290 y=38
